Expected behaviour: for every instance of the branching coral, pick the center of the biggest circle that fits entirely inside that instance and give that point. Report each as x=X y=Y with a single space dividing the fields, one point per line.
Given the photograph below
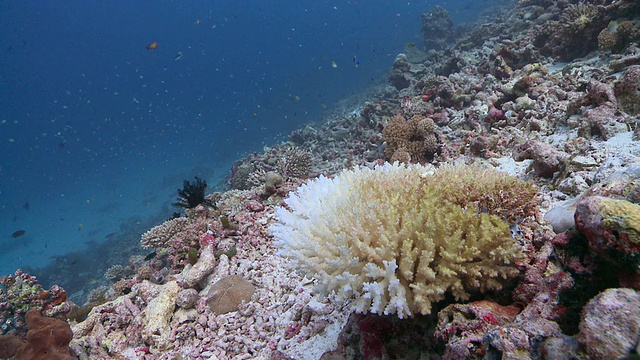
x=159 y=236
x=295 y=163
x=396 y=239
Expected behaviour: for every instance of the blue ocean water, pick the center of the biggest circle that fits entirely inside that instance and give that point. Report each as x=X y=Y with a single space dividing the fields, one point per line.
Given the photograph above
x=97 y=132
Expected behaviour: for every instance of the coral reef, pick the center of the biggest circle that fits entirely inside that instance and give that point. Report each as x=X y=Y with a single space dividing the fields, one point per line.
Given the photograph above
x=229 y=293
x=610 y=326
x=547 y=160
x=47 y=339
x=295 y=163
x=627 y=90
x=392 y=238
x=546 y=91
x=610 y=225
x=411 y=141
x=159 y=236
x=20 y=293
x=437 y=28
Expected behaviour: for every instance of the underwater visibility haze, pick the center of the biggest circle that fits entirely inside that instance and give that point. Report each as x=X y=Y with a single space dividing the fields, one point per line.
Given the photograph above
x=97 y=128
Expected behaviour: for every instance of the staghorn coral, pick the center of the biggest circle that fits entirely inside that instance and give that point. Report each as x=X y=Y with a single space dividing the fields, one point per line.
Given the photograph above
x=395 y=239
x=410 y=141
x=159 y=236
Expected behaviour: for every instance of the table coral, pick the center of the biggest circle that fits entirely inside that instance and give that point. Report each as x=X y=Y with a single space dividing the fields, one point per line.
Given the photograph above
x=158 y=236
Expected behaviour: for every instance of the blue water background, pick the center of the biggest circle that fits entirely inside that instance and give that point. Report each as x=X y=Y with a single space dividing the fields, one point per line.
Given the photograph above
x=97 y=132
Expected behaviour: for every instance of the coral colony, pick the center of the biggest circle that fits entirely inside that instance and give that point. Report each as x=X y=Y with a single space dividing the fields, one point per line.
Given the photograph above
x=482 y=204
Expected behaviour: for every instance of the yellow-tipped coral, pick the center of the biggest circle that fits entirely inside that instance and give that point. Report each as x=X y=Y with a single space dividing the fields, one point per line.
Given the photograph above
x=395 y=239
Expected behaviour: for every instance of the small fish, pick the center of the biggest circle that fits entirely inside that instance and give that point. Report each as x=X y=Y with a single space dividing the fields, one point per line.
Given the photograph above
x=152 y=46
x=178 y=56
x=516 y=233
x=198 y=21
x=356 y=62
x=150 y=256
x=17 y=234
x=80 y=227
x=411 y=45
x=26 y=205
x=334 y=64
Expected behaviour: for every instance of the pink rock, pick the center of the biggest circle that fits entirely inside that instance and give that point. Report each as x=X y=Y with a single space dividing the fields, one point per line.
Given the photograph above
x=546 y=158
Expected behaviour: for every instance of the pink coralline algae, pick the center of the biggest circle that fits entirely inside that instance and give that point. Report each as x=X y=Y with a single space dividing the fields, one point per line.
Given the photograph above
x=497 y=96
x=627 y=89
x=21 y=292
x=462 y=326
x=546 y=159
x=610 y=225
x=610 y=326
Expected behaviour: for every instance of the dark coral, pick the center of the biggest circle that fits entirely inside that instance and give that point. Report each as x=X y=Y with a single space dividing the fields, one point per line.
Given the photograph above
x=192 y=194
x=412 y=140
x=627 y=90
x=437 y=28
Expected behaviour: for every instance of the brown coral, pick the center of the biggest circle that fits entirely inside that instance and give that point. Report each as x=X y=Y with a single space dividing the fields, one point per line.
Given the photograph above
x=47 y=339
x=228 y=293
x=578 y=16
x=410 y=141
x=606 y=40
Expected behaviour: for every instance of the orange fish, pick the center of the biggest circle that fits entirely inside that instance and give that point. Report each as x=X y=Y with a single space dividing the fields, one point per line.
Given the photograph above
x=198 y=21
x=152 y=46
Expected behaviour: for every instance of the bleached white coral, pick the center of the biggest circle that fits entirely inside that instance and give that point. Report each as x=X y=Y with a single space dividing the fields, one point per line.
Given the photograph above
x=388 y=240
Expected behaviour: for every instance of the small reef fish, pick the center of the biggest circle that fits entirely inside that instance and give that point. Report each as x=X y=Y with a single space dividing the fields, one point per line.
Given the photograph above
x=152 y=46
x=178 y=56
x=17 y=234
x=516 y=233
x=356 y=62
x=198 y=21
x=26 y=205
x=334 y=64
